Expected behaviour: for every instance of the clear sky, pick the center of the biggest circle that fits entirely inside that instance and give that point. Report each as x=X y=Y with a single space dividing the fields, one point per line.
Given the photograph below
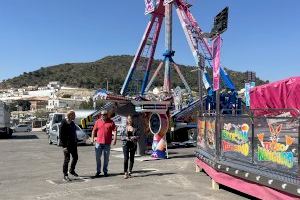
x=262 y=36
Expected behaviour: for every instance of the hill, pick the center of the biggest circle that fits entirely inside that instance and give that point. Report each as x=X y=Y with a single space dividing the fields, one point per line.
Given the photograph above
x=94 y=75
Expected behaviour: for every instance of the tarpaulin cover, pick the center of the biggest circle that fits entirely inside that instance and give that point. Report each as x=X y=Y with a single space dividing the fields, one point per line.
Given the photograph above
x=284 y=94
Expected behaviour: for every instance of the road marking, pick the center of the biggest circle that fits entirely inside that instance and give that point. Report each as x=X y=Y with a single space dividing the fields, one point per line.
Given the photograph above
x=150 y=169
x=51 y=182
x=74 y=192
x=59 y=182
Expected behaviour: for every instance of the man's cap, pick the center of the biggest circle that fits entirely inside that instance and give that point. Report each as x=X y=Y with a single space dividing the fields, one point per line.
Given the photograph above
x=103 y=112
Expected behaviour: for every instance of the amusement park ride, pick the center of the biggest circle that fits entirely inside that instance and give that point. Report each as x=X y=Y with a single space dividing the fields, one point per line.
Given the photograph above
x=233 y=149
x=159 y=109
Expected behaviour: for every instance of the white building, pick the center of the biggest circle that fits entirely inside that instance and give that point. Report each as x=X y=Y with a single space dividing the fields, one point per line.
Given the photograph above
x=54 y=85
x=41 y=93
x=63 y=103
x=56 y=103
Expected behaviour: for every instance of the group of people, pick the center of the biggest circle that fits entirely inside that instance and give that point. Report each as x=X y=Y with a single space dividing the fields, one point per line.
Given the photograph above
x=103 y=135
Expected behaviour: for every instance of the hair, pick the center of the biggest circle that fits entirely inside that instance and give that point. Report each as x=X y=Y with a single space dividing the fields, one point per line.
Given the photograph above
x=131 y=120
x=69 y=113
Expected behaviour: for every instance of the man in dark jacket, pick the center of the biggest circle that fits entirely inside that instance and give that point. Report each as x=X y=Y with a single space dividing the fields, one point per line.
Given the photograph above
x=68 y=140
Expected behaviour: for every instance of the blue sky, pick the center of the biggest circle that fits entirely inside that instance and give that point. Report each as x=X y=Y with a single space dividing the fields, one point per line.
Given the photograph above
x=262 y=36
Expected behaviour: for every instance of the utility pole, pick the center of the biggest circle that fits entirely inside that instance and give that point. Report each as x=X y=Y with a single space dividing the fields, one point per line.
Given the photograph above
x=106 y=84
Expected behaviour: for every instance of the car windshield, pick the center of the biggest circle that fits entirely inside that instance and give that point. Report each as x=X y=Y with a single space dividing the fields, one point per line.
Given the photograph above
x=58 y=118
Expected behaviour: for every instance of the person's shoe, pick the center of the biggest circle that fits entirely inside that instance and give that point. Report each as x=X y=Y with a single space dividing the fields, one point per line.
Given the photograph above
x=74 y=173
x=97 y=174
x=106 y=175
x=66 y=178
x=126 y=176
x=129 y=174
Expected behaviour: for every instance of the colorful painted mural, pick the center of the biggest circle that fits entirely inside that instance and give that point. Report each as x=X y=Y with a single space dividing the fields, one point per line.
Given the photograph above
x=206 y=134
x=201 y=133
x=210 y=134
x=235 y=138
x=272 y=150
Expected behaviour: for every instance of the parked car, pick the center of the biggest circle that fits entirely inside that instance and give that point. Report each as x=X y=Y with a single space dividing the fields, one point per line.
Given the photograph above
x=22 y=128
x=54 y=135
x=54 y=118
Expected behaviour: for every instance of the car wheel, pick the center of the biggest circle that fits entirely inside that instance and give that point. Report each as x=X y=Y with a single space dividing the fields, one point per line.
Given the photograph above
x=9 y=133
x=49 y=140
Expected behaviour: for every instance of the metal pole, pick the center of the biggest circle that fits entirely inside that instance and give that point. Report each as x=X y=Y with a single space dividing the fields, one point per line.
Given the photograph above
x=153 y=48
x=137 y=56
x=217 y=136
x=218 y=128
x=154 y=76
x=201 y=65
x=168 y=46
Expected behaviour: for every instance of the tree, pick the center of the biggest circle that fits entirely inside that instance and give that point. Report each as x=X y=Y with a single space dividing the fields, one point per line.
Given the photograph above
x=90 y=104
x=41 y=114
x=24 y=104
x=12 y=106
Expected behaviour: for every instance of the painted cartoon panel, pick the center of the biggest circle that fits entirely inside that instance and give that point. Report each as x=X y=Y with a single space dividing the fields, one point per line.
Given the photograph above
x=206 y=135
x=235 y=139
x=277 y=144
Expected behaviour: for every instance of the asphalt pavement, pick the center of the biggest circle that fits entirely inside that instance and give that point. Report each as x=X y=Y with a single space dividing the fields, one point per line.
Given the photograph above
x=31 y=169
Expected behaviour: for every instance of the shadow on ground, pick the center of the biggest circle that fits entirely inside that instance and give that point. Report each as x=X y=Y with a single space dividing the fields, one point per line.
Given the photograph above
x=24 y=137
x=152 y=174
x=138 y=173
x=223 y=187
x=182 y=156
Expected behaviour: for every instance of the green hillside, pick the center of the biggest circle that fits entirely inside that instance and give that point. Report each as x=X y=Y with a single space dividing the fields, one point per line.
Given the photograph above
x=93 y=75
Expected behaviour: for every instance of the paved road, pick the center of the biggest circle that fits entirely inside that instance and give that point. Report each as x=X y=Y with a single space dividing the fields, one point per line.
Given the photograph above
x=30 y=169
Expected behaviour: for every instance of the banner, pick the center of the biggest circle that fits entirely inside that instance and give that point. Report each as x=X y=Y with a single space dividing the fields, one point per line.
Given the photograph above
x=149 y=6
x=248 y=87
x=247 y=94
x=216 y=63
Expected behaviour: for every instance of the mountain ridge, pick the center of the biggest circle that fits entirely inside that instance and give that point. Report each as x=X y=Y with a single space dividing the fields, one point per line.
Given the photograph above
x=111 y=69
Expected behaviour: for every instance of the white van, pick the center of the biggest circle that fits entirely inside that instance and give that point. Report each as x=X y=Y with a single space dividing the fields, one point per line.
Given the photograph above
x=54 y=118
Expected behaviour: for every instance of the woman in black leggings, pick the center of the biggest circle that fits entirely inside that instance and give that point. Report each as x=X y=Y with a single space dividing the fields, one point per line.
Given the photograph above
x=129 y=138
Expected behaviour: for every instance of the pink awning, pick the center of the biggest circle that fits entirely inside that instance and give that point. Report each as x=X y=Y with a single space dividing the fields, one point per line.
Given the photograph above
x=284 y=94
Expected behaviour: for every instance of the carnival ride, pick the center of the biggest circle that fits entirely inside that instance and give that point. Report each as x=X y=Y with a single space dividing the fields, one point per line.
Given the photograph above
x=201 y=45
x=232 y=147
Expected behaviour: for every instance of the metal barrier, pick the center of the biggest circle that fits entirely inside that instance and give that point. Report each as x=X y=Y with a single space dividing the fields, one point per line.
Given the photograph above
x=265 y=146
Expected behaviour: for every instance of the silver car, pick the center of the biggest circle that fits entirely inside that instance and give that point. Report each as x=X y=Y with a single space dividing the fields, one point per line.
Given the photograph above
x=54 y=134
x=22 y=128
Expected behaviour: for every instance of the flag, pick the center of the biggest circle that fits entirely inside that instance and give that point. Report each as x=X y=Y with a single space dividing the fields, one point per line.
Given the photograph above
x=216 y=63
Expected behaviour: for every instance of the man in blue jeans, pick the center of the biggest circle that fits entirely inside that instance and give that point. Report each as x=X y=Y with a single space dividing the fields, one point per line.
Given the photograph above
x=103 y=130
